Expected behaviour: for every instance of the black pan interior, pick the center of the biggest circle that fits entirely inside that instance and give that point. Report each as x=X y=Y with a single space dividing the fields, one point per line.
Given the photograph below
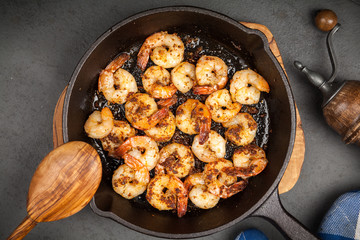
x=79 y=100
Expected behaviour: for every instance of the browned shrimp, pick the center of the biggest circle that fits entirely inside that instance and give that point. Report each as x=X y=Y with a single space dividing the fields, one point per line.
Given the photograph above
x=156 y=81
x=142 y=148
x=222 y=108
x=168 y=102
x=219 y=182
x=198 y=191
x=164 y=130
x=211 y=75
x=116 y=83
x=176 y=159
x=241 y=129
x=193 y=117
x=165 y=50
x=142 y=111
x=130 y=179
x=167 y=192
x=249 y=161
x=183 y=76
x=119 y=133
x=212 y=149
x=100 y=123
x=246 y=85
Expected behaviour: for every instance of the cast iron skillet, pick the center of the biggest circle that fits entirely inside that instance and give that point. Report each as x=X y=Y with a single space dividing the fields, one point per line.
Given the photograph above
x=260 y=198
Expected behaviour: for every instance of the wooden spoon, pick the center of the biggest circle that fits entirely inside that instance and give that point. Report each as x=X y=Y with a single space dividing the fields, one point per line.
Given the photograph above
x=63 y=184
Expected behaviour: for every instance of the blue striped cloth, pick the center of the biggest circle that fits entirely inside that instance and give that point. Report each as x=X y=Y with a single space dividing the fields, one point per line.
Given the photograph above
x=251 y=234
x=342 y=220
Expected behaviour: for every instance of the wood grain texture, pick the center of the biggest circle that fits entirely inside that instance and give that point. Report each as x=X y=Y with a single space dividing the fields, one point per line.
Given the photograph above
x=64 y=182
x=23 y=229
x=57 y=120
x=294 y=167
x=342 y=113
x=293 y=170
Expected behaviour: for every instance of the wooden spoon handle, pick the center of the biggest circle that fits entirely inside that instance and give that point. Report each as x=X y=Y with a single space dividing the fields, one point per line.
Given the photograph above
x=23 y=229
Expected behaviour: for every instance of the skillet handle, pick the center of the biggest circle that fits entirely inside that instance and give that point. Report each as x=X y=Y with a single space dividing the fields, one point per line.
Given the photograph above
x=272 y=210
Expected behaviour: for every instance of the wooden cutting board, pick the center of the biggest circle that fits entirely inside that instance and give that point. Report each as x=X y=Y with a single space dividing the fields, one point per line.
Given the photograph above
x=293 y=169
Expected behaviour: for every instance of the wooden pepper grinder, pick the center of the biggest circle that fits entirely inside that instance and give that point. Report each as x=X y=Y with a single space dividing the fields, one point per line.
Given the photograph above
x=341 y=99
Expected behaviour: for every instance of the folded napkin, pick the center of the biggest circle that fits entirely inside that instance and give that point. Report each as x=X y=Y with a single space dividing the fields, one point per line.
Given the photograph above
x=342 y=220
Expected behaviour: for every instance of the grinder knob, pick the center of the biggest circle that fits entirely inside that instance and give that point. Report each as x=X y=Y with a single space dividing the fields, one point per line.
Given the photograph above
x=325 y=20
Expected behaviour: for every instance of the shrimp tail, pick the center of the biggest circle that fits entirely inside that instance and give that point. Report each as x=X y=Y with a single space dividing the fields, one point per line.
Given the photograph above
x=156 y=117
x=181 y=196
x=204 y=90
x=123 y=148
x=143 y=58
x=234 y=189
x=171 y=90
x=111 y=68
x=117 y=62
x=182 y=205
x=205 y=126
x=142 y=174
x=104 y=76
x=188 y=184
x=132 y=162
x=231 y=190
x=168 y=102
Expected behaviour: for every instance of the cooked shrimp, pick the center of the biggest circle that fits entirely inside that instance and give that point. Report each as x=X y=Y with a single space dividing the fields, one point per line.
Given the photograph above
x=116 y=83
x=156 y=81
x=168 y=102
x=142 y=148
x=193 y=117
x=164 y=130
x=99 y=124
x=176 y=159
x=194 y=179
x=211 y=75
x=212 y=149
x=167 y=192
x=119 y=133
x=221 y=107
x=242 y=92
x=241 y=129
x=183 y=76
x=130 y=179
x=249 y=161
x=165 y=50
x=219 y=182
x=142 y=111
x=198 y=192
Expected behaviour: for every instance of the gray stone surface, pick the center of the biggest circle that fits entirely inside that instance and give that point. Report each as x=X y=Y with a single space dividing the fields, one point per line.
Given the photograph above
x=42 y=41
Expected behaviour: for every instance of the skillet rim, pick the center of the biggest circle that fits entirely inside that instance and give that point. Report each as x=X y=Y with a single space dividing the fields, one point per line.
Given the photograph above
x=284 y=78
